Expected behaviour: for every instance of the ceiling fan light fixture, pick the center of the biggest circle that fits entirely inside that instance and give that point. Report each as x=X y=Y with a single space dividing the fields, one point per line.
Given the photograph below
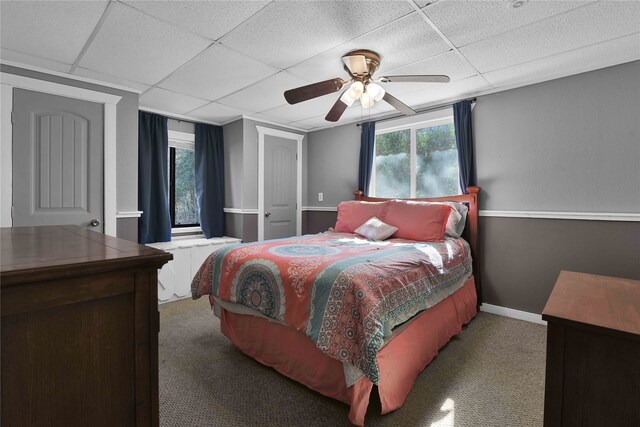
x=347 y=98
x=356 y=90
x=375 y=91
x=366 y=100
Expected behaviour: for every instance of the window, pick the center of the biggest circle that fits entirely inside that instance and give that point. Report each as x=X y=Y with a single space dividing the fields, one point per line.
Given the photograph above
x=419 y=160
x=183 y=205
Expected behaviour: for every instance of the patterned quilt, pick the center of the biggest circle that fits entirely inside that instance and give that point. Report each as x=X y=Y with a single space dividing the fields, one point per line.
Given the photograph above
x=344 y=292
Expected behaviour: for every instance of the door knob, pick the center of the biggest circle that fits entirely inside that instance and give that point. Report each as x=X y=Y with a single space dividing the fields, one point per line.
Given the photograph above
x=94 y=222
x=267 y=214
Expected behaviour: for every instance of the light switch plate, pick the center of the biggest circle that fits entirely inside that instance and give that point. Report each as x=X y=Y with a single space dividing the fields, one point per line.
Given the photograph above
x=320 y=197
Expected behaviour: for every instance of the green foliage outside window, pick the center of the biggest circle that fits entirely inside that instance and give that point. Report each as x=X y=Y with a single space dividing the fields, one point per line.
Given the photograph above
x=436 y=162
x=186 y=204
x=393 y=164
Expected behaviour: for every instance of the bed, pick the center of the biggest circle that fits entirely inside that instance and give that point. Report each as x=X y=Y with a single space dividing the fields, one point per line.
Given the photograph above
x=342 y=314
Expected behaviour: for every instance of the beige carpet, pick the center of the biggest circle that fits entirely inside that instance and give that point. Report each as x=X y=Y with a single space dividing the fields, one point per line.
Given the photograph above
x=490 y=375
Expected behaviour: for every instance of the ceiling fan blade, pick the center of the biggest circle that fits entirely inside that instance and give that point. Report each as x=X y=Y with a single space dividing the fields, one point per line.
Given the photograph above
x=424 y=78
x=357 y=64
x=398 y=105
x=336 y=111
x=314 y=90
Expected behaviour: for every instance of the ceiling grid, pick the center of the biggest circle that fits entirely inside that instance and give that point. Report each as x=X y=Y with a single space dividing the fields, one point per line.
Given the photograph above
x=219 y=61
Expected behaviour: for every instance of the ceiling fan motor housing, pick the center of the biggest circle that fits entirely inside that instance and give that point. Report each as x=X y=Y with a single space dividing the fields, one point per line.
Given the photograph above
x=372 y=58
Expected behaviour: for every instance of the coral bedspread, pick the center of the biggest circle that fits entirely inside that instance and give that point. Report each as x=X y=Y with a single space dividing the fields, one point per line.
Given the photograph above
x=344 y=292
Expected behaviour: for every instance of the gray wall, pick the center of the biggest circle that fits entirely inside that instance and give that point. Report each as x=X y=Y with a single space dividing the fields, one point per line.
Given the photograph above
x=181 y=126
x=332 y=165
x=126 y=142
x=241 y=175
x=233 y=164
x=314 y=222
x=522 y=257
x=569 y=145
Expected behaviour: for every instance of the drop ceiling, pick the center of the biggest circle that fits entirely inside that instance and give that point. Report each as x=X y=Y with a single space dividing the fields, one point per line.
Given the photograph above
x=220 y=60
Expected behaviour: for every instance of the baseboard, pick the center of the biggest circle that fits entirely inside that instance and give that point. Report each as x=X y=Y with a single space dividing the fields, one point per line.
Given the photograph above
x=510 y=312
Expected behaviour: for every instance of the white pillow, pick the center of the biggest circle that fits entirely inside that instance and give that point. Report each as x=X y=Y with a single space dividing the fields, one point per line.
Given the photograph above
x=457 y=218
x=374 y=229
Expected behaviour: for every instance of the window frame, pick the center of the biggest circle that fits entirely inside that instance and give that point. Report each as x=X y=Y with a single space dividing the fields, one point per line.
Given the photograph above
x=413 y=151
x=186 y=141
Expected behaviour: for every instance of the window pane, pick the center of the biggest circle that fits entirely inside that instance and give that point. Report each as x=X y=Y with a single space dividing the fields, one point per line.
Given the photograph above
x=186 y=205
x=392 y=163
x=436 y=161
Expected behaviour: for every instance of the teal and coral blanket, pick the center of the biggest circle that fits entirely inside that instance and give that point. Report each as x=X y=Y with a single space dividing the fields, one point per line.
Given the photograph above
x=346 y=293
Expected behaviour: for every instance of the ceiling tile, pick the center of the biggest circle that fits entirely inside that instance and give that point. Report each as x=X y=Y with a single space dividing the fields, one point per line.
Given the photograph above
x=612 y=52
x=211 y=19
x=266 y=94
x=54 y=30
x=401 y=42
x=217 y=113
x=424 y=3
x=217 y=72
x=310 y=123
x=581 y=27
x=83 y=72
x=165 y=100
x=311 y=28
x=137 y=47
x=465 y=22
x=356 y=112
x=449 y=64
x=10 y=55
x=303 y=110
x=353 y=113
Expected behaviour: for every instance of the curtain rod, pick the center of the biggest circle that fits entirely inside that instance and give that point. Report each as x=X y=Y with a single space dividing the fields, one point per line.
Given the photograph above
x=424 y=110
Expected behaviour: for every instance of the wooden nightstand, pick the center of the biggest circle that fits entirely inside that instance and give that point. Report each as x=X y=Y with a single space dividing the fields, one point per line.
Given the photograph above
x=593 y=352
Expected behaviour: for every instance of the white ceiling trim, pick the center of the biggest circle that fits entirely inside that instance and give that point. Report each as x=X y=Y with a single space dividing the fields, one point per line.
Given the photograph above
x=269 y=122
x=69 y=76
x=178 y=116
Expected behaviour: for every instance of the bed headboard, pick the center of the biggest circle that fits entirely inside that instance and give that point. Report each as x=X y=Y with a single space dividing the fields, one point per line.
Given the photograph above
x=470 y=230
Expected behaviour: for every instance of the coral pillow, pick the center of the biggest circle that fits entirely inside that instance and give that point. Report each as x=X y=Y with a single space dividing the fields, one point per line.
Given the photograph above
x=374 y=229
x=424 y=222
x=353 y=214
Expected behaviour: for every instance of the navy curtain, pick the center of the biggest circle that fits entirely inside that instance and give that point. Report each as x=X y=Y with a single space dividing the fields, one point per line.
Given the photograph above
x=464 y=143
x=210 y=179
x=367 y=142
x=153 y=182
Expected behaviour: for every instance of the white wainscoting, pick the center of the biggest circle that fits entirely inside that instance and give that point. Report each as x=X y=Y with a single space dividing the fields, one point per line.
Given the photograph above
x=174 y=279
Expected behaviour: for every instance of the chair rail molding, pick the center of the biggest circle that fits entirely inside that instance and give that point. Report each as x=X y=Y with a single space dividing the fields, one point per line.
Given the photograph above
x=589 y=216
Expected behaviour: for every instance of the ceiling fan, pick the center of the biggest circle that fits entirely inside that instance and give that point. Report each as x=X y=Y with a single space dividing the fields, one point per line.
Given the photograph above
x=360 y=64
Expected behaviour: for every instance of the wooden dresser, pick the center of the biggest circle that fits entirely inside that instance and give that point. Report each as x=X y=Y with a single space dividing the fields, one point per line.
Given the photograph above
x=593 y=352
x=79 y=328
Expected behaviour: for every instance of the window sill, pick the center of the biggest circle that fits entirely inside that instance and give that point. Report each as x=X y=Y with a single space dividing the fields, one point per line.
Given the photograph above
x=191 y=241
x=185 y=230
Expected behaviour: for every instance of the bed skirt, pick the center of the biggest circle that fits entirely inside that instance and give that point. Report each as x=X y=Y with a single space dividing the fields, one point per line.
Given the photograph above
x=294 y=355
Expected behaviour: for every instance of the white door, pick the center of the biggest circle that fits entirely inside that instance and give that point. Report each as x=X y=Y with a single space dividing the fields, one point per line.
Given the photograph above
x=280 y=187
x=58 y=152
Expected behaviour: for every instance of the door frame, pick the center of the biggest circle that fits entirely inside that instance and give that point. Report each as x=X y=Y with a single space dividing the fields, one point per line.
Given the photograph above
x=12 y=81
x=262 y=131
